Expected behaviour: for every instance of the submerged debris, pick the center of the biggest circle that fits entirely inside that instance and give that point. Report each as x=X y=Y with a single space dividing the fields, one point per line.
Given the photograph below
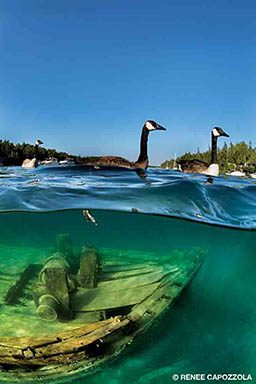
x=89 y=217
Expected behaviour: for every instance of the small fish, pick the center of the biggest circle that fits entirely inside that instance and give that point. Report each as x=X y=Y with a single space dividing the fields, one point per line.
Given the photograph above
x=89 y=217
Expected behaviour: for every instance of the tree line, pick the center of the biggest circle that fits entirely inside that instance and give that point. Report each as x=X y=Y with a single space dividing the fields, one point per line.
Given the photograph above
x=240 y=156
x=14 y=154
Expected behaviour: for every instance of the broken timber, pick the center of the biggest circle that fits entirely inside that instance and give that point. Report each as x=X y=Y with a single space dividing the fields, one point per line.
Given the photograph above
x=127 y=297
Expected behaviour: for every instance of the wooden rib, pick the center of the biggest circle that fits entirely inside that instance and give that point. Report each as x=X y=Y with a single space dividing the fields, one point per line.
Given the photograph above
x=33 y=342
x=167 y=288
x=61 y=350
x=73 y=344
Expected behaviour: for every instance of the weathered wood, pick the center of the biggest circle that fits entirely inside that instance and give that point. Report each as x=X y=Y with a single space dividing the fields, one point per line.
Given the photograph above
x=61 y=349
x=48 y=308
x=56 y=284
x=107 y=298
x=16 y=291
x=107 y=275
x=74 y=351
x=136 y=281
x=34 y=342
x=170 y=288
x=74 y=344
x=87 y=274
x=138 y=310
x=57 y=260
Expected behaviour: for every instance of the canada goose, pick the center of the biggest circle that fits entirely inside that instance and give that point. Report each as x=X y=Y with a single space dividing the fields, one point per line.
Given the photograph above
x=120 y=162
x=32 y=163
x=199 y=166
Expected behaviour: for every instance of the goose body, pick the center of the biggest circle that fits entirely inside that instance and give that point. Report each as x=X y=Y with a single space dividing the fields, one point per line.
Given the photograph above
x=120 y=162
x=199 y=166
x=110 y=161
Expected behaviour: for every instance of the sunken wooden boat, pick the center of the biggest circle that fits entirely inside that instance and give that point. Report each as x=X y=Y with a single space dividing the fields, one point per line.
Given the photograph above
x=64 y=318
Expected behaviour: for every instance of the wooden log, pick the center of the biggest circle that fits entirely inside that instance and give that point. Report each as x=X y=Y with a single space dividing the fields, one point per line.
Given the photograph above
x=56 y=283
x=87 y=274
x=16 y=291
x=57 y=260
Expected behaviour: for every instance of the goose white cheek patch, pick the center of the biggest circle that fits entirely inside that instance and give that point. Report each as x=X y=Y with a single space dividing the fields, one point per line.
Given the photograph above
x=149 y=126
x=215 y=132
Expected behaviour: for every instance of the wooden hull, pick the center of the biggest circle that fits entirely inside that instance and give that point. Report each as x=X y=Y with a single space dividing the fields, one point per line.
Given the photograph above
x=127 y=299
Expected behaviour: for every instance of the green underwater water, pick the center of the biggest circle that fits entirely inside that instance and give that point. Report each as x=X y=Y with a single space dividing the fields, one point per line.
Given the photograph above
x=211 y=328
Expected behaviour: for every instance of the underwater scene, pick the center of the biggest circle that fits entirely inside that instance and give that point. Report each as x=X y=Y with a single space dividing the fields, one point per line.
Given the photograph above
x=107 y=276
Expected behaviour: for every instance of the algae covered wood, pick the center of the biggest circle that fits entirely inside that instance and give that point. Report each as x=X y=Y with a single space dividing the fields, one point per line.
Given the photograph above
x=87 y=274
x=120 y=292
x=151 y=288
x=57 y=286
x=133 y=271
x=40 y=351
x=16 y=290
x=106 y=298
x=138 y=280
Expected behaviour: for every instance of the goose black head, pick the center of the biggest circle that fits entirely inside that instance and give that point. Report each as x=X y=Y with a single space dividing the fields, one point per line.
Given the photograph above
x=217 y=132
x=151 y=125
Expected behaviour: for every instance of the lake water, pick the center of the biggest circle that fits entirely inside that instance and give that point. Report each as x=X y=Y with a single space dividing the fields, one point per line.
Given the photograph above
x=212 y=327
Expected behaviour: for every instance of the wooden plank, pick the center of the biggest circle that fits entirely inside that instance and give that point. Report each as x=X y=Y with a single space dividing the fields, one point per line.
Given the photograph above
x=103 y=298
x=167 y=287
x=62 y=349
x=171 y=287
x=136 y=281
x=129 y=272
x=139 y=310
x=74 y=344
x=128 y=267
x=33 y=342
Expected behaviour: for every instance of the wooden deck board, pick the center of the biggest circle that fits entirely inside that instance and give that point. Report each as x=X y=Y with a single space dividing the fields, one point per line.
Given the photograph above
x=109 y=298
x=108 y=275
x=136 y=281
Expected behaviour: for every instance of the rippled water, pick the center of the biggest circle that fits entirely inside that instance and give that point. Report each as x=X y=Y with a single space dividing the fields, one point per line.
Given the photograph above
x=212 y=328
x=227 y=201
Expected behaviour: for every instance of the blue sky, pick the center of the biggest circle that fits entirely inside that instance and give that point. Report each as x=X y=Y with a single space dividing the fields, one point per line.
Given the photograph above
x=84 y=75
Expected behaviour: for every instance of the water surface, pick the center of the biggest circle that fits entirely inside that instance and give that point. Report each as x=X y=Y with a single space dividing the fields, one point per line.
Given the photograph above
x=211 y=329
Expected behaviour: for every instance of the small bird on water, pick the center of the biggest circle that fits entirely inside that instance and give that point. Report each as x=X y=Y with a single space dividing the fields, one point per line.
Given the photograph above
x=119 y=162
